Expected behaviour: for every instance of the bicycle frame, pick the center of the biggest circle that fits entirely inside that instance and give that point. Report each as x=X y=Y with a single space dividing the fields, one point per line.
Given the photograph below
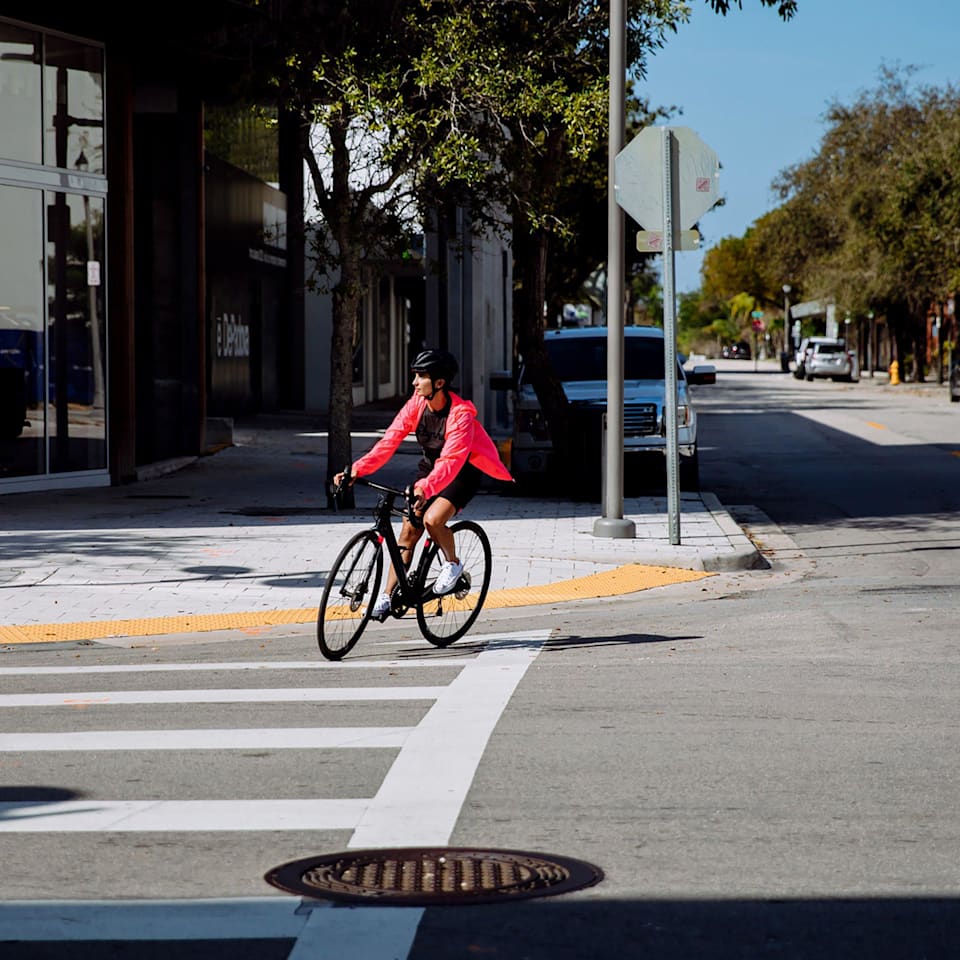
x=411 y=587
x=345 y=607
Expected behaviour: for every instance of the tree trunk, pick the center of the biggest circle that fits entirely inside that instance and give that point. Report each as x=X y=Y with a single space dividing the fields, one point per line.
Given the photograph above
x=344 y=223
x=346 y=303
x=897 y=324
x=920 y=347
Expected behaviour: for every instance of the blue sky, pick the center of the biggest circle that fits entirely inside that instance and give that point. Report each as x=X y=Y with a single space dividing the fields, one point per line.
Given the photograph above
x=755 y=89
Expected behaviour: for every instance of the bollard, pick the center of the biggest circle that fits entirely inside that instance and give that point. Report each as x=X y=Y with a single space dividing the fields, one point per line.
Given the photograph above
x=894 y=373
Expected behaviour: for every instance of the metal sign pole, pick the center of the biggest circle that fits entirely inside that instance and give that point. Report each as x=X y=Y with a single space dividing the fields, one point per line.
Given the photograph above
x=670 y=338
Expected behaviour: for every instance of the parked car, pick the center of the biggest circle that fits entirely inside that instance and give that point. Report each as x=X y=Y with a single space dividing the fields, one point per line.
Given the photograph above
x=736 y=351
x=825 y=357
x=21 y=371
x=579 y=359
x=955 y=381
x=803 y=353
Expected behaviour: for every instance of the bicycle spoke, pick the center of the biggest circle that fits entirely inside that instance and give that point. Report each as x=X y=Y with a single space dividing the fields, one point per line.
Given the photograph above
x=445 y=619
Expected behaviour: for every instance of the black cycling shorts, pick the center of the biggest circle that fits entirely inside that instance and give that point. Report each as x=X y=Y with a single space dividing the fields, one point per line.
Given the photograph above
x=461 y=489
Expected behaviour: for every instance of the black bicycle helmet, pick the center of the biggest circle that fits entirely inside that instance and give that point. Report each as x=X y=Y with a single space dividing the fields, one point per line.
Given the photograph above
x=436 y=364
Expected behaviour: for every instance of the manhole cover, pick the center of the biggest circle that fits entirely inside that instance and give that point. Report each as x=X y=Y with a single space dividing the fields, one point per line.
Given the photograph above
x=422 y=877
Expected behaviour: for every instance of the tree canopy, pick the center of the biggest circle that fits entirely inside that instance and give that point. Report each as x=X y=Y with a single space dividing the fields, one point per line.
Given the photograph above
x=870 y=221
x=501 y=107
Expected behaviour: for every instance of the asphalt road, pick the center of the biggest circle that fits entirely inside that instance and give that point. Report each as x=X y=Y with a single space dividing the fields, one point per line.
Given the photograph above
x=762 y=764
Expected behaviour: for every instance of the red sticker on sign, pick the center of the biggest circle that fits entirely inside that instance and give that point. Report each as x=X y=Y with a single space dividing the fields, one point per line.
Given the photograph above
x=703 y=184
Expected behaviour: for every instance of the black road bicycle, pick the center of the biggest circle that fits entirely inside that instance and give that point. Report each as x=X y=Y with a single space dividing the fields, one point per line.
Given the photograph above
x=353 y=583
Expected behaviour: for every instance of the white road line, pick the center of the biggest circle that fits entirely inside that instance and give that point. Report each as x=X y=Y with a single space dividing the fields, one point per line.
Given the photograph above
x=270 y=738
x=320 y=931
x=421 y=797
x=451 y=662
x=169 y=816
x=418 y=803
x=370 y=933
x=243 y=918
x=422 y=794
x=262 y=695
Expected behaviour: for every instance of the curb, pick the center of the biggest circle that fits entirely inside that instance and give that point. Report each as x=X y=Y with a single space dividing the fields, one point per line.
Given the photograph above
x=745 y=555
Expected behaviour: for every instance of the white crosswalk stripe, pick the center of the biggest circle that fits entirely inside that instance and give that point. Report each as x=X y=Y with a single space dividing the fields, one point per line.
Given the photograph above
x=417 y=802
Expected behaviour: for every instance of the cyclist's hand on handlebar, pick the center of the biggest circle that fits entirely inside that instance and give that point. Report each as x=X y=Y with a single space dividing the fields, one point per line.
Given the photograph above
x=344 y=478
x=415 y=505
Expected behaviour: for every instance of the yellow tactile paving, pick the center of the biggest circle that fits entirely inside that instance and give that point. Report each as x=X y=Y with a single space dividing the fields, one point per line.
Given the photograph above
x=628 y=578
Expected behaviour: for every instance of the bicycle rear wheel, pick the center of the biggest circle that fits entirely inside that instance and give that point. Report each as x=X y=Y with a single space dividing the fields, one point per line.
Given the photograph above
x=352 y=586
x=447 y=618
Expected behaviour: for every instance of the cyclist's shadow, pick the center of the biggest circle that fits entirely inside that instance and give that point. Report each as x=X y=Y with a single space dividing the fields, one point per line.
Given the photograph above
x=476 y=645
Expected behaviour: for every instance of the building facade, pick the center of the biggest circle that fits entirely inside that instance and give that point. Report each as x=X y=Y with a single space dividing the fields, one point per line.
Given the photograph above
x=151 y=283
x=147 y=284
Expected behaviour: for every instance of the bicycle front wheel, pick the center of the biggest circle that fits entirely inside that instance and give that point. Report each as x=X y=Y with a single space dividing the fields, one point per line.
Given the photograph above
x=352 y=586
x=447 y=618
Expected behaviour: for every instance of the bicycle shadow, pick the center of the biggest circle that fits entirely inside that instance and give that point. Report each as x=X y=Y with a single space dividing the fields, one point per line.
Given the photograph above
x=476 y=645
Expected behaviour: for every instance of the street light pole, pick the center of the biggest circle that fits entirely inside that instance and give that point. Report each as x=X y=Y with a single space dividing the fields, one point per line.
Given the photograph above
x=785 y=358
x=613 y=524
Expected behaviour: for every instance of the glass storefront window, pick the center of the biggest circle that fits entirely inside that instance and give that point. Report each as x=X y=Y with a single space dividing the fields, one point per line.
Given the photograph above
x=73 y=105
x=53 y=404
x=76 y=333
x=22 y=367
x=20 y=97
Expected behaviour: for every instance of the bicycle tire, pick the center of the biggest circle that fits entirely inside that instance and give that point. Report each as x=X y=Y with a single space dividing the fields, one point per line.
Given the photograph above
x=352 y=586
x=445 y=619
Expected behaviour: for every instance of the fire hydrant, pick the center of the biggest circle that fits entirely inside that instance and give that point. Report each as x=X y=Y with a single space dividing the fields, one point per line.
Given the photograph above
x=894 y=373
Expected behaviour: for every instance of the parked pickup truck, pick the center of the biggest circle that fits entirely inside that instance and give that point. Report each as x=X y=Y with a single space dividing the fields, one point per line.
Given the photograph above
x=579 y=359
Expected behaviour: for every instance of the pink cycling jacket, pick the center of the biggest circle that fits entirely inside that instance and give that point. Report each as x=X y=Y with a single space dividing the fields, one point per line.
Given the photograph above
x=465 y=440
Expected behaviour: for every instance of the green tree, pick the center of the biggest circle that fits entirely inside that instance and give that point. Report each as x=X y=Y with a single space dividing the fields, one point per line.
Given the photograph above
x=870 y=220
x=422 y=102
x=579 y=244
x=729 y=269
x=381 y=142
x=533 y=73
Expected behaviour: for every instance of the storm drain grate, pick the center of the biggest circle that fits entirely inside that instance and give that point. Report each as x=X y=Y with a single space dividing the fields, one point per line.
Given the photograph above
x=423 y=877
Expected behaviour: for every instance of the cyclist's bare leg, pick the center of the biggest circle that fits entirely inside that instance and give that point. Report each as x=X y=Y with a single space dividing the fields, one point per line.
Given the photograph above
x=440 y=512
x=407 y=539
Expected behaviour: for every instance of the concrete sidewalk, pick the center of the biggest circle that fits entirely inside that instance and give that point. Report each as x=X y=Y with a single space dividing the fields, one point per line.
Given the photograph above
x=244 y=536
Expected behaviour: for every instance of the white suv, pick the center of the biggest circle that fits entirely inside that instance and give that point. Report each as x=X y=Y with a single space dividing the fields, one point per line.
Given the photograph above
x=825 y=357
x=579 y=359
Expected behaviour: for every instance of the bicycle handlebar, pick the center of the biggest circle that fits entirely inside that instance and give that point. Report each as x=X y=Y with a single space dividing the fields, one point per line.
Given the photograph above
x=407 y=494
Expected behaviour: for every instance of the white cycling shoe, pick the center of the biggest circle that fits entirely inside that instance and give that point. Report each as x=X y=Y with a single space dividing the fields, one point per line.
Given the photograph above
x=382 y=607
x=447 y=578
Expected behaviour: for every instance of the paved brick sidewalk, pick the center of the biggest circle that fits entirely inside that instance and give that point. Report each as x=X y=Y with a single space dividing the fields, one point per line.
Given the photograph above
x=247 y=529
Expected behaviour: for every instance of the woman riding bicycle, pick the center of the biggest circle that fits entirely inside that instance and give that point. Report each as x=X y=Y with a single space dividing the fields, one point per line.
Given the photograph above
x=457 y=453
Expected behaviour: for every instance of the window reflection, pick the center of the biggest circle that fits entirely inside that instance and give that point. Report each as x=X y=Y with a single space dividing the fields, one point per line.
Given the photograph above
x=73 y=108
x=76 y=335
x=53 y=345
x=22 y=373
x=20 y=112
